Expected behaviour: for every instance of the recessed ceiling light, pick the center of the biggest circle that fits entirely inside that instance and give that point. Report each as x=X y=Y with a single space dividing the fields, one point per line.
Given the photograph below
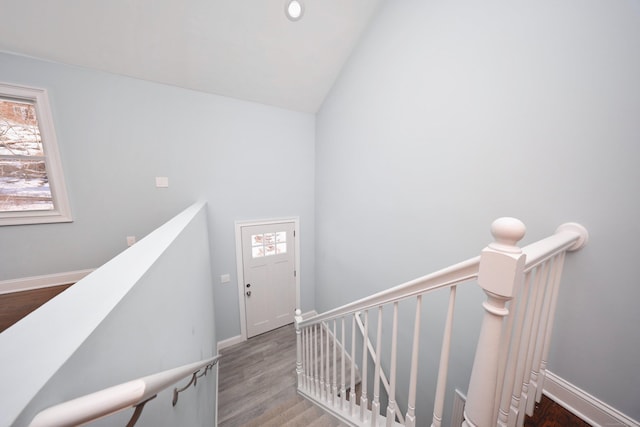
x=294 y=9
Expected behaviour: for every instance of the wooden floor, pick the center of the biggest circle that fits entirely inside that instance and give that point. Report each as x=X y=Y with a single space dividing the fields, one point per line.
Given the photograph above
x=259 y=374
x=256 y=375
x=549 y=414
x=16 y=305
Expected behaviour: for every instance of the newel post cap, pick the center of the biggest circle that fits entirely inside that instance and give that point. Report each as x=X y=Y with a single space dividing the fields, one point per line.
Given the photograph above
x=297 y=317
x=507 y=232
x=502 y=262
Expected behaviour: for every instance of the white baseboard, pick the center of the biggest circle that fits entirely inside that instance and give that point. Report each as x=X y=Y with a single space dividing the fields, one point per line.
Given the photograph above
x=229 y=342
x=37 y=282
x=583 y=405
x=239 y=338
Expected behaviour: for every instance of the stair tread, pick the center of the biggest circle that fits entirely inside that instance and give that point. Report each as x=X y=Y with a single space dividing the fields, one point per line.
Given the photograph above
x=326 y=420
x=296 y=412
x=287 y=408
x=306 y=417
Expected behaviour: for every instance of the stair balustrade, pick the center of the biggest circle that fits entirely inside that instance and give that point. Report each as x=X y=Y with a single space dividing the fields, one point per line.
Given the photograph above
x=521 y=287
x=132 y=394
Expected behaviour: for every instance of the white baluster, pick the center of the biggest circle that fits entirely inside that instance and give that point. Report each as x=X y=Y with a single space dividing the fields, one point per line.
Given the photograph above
x=500 y=271
x=534 y=383
x=352 y=393
x=334 y=384
x=328 y=379
x=342 y=362
x=298 y=319
x=309 y=361
x=552 y=313
x=410 y=419
x=316 y=381
x=365 y=351
x=508 y=349
x=323 y=389
x=536 y=301
x=306 y=359
x=511 y=372
x=523 y=351
x=391 y=408
x=441 y=387
x=375 y=405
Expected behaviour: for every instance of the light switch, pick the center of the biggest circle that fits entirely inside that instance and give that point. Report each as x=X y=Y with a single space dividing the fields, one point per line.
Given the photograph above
x=162 y=181
x=225 y=278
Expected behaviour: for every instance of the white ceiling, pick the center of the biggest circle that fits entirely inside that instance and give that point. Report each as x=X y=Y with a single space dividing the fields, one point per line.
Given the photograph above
x=245 y=49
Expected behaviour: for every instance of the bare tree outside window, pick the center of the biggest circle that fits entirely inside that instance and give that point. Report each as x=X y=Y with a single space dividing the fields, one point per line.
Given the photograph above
x=32 y=187
x=23 y=176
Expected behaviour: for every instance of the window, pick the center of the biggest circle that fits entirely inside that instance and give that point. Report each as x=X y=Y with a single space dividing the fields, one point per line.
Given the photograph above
x=32 y=186
x=268 y=244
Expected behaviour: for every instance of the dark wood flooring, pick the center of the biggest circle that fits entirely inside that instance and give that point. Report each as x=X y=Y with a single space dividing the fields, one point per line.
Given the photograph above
x=16 y=305
x=549 y=414
x=259 y=374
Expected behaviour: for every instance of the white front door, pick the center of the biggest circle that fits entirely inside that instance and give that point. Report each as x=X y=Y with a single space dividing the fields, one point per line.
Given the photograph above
x=268 y=263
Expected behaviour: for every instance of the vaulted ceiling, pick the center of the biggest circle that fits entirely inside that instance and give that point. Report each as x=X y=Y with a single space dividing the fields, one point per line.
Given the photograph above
x=246 y=49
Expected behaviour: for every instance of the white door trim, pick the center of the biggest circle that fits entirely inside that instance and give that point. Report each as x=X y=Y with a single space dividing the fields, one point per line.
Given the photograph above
x=240 y=269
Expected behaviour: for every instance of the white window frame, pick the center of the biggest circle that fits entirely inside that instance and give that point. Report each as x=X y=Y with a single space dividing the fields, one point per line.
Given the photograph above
x=61 y=210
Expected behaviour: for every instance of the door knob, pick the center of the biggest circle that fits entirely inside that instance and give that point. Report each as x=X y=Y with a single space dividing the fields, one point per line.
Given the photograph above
x=248 y=293
x=248 y=285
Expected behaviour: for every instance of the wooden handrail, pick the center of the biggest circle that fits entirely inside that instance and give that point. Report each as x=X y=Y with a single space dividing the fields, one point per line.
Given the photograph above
x=503 y=271
x=452 y=275
x=114 y=399
x=570 y=237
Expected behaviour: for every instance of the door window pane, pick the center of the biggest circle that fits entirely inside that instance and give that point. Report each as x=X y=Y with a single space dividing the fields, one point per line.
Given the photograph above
x=268 y=244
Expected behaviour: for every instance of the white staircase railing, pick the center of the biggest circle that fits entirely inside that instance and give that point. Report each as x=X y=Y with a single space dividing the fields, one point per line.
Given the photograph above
x=389 y=388
x=510 y=360
x=132 y=394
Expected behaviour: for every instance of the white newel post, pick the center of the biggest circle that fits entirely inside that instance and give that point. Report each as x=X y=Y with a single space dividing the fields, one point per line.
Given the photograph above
x=501 y=269
x=298 y=319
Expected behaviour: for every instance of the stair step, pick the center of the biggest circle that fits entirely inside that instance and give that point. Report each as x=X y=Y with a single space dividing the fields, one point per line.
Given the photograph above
x=326 y=420
x=306 y=417
x=286 y=408
x=296 y=412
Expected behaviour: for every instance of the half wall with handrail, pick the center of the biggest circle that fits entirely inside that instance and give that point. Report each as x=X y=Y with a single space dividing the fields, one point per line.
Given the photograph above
x=148 y=310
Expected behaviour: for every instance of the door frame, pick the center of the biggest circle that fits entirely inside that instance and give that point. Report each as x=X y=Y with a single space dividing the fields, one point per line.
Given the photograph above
x=240 y=267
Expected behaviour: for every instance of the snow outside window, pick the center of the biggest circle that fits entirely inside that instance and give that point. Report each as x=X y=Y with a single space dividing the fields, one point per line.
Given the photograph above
x=32 y=189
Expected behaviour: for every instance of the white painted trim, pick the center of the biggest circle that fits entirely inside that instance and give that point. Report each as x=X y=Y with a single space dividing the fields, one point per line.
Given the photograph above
x=230 y=341
x=239 y=338
x=309 y=314
x=111 y=400
x=240 y=270
x=53 y=164
x=45 y=281
x=583 y=405
x=217 y=368
x=457 y=413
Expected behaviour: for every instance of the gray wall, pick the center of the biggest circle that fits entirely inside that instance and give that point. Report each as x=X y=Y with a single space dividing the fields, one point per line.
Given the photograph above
x=449 y=115
x=116 y=134
x=126 y=320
